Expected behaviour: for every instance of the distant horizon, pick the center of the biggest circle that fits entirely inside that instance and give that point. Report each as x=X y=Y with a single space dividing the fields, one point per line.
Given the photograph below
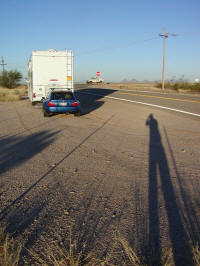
x=144 y=81
x=183 y=77
x=133 y=80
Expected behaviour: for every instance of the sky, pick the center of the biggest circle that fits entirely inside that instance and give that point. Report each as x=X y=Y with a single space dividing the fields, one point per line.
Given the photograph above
x=118 y=38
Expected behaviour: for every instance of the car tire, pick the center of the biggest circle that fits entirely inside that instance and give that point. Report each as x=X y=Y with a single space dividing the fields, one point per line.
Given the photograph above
x=46 y=114
x=77 y=113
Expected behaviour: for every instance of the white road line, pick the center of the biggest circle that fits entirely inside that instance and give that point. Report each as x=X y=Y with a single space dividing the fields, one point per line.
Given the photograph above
x=153 y=92
x=156 y=92
x=148 y=104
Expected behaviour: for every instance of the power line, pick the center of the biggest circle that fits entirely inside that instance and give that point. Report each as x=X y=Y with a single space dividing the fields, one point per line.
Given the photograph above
x=116 y=47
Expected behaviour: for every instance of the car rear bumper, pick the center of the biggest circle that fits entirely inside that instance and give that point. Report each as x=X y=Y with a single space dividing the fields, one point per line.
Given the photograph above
x=61 y=109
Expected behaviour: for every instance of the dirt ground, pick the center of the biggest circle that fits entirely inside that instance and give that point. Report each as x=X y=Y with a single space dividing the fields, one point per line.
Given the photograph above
x=119 y=170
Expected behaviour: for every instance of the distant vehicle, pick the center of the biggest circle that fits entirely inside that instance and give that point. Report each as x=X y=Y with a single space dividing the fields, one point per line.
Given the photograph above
x=49 y=69
x=95 y=81
x=59 y=101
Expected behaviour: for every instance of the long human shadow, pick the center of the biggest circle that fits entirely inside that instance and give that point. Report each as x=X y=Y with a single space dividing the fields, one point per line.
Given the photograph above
x=158 y=168
x=90 y=98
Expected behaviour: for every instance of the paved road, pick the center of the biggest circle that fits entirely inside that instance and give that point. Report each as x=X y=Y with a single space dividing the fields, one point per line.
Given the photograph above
x=120 y=168
x=180 y=102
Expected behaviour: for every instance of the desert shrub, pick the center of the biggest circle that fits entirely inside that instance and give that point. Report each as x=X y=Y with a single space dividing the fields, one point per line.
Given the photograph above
x=175 y=86
x=182 y=85
x=10 y=79
x=196 y=87
x=158 y=85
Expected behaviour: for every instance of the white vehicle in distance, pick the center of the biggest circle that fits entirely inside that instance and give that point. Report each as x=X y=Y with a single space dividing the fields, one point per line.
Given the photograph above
x=49 y=69
x=95 y=81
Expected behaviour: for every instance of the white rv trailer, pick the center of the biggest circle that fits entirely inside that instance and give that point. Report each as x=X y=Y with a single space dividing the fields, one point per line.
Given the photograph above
x=49 y=69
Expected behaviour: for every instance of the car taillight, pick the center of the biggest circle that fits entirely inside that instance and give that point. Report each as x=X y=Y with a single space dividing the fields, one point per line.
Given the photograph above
x=75 y=104
x=34 y=95
x=51 y=104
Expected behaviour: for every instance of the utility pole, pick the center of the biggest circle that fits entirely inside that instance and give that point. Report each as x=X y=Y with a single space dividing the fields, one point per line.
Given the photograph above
x=3 y=64
x=165 y=35
x=163 y=72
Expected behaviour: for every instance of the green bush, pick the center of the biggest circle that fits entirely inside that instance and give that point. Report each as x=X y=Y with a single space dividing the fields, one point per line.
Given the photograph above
x=10 y=79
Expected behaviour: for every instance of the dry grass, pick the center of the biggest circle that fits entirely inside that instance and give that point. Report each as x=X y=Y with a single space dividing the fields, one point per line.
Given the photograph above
x=196 y=255
x=61 y=254
x=183 y=87
x=130 y=257
x=57 y=256
x=70 y=254
x=9 y=251
x=129 y=86
x=10 y=95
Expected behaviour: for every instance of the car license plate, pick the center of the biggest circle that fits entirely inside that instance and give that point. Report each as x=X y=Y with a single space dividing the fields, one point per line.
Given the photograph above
x=63 y=104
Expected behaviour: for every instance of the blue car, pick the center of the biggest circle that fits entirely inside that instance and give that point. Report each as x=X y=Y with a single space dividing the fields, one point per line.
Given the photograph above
x=61 y=102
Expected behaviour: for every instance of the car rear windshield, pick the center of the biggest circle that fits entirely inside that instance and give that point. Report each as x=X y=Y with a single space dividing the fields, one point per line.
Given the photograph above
x=62 y=96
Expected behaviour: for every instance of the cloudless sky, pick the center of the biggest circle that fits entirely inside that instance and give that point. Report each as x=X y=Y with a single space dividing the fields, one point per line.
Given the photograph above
x=118 y=38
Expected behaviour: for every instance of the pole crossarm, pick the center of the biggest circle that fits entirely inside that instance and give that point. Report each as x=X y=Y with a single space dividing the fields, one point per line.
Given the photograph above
x=162 y=35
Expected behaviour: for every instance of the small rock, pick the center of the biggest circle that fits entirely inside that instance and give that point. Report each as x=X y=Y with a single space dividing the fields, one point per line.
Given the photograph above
x=69 y=209
x=114 y=214
x=75 y=170
x=183 y=150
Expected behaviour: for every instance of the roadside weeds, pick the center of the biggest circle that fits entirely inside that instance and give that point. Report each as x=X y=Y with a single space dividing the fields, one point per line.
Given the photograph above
x=11 y=95
x=70 y=254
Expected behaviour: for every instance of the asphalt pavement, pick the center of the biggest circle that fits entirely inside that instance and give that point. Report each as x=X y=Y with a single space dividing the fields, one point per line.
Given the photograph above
x=188 y=103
